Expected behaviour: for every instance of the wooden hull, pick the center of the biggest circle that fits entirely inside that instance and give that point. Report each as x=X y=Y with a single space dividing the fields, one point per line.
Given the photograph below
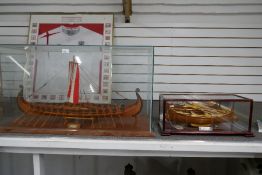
x=81 y=110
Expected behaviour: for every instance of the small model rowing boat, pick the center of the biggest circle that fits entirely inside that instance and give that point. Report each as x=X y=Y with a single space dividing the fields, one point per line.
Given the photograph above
x=199 y=113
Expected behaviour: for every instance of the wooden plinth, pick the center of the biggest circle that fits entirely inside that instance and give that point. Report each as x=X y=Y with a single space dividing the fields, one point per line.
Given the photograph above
x=115 y=126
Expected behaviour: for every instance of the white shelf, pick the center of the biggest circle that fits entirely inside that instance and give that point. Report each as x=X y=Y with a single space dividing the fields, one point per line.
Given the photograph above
x=170 y=146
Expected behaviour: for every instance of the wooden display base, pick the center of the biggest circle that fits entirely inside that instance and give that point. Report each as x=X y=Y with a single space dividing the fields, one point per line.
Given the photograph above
x=169 y=130
x=115 y=126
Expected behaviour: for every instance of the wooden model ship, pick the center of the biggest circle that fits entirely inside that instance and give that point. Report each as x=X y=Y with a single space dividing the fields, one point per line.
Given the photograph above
x=199 y=113
x=75 y=110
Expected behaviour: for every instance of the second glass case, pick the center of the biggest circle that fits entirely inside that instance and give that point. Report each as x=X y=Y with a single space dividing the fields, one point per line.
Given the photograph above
x=216 y=114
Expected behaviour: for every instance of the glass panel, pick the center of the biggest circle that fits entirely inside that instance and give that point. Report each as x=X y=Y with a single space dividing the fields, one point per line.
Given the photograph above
x=203 y=96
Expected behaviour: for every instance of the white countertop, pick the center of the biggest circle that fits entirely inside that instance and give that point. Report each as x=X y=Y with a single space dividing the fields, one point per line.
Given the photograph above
x=170 y=146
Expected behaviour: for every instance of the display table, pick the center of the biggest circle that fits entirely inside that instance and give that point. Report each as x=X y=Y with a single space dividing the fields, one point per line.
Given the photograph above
x=171 y=146
x=160 y=146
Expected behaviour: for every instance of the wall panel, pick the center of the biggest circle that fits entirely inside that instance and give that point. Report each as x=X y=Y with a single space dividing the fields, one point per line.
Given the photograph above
x=201 y=46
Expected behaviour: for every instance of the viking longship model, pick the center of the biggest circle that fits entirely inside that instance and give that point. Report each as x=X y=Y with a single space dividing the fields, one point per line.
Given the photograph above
x=199 y=113
x=73 y=108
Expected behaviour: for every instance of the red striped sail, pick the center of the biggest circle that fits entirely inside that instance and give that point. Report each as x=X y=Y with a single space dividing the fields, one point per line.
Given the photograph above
x=74 y=81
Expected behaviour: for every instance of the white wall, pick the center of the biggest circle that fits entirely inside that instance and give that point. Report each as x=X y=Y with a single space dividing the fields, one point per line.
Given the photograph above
x=201 y=46
x=16 y=164
x=21 y=164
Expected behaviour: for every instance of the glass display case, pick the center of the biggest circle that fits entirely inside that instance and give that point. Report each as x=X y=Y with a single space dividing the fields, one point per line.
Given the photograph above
x=218 y=114
x=81 y=90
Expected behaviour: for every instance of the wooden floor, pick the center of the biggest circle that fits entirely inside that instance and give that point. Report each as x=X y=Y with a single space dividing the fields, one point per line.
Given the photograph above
x=115 y=126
